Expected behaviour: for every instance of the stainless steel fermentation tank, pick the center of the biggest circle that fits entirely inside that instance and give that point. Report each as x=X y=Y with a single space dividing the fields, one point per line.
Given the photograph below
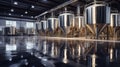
x=66 y=20
x=79 y=21
x=37 y=27
x=52 y=23
x=115 y=20
x=97 y=18
x=115 y=25
x=80 y=24
x=43 y=25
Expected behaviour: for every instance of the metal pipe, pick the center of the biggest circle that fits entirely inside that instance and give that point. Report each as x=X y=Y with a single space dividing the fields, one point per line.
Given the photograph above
x=58 y=7
x=94 y=1
x=78 y=9
x=65 y=9
x=44 y=17
x=52 y=14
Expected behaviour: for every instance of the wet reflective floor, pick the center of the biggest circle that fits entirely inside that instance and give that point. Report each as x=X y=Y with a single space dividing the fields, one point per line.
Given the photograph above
x=36 y=52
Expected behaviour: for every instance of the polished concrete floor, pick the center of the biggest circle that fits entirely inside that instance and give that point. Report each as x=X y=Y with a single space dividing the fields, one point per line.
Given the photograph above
x=32 y=51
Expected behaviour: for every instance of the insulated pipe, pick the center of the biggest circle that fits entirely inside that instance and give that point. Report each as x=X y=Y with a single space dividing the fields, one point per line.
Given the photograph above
x=78 y=9
x=52 y=14
x=95 y=1
x=44 y=18
x=65 y=9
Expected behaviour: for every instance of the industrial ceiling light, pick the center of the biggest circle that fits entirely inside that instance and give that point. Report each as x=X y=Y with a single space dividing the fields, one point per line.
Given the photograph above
x=31 y=16
x=44 y=0
x=32 y=6
x=21 y=15
x=12 y=10
x=26 y=12
x=15 y=3
x=9 y=14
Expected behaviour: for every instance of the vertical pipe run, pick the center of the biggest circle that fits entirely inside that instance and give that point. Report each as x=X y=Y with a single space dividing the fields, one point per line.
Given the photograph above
x=78 y=14
x=94 y=1
x=52 y=14
x=65 y=9
x=44 y=18
x=78 y=9
x=94 y=14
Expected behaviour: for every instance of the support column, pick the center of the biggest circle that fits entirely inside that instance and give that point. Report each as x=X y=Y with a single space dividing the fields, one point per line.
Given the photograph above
x=107 y=33
x=96 y=30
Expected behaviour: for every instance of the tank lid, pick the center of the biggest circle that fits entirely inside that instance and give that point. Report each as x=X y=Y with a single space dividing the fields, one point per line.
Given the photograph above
x=114 y=11
x=96 y=2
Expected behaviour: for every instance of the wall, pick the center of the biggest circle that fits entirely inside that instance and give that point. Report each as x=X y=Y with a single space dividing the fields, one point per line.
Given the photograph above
x=18 y=23
x=2 y=22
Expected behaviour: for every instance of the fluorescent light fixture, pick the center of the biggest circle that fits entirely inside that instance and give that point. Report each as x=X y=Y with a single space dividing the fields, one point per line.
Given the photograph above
x=15 y=3
x=21 y=15
x=9 y=14
x=31 y=16
x=44 y=0
x=32 y=6
x=26 y=12
x=12 y=10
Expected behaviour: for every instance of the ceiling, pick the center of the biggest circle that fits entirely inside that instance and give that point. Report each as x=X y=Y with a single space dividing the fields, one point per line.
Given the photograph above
x=26 y=8
x=30 y=8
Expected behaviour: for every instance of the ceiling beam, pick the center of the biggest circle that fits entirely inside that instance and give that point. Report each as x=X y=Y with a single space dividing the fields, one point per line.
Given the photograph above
x=34 y=2
x=18 y=19
x=58 y=7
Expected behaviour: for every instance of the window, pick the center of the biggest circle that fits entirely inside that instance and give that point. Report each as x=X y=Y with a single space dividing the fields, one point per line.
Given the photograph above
x=10 y=23
x=29 y=25
x=11 y=47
